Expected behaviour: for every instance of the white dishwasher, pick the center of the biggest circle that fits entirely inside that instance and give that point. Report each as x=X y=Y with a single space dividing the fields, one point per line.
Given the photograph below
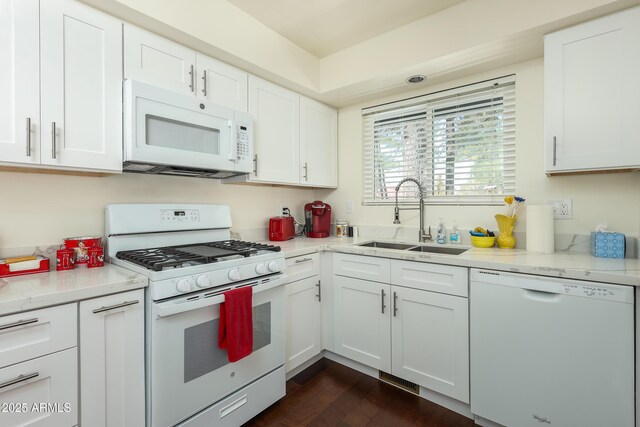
x=548 y=351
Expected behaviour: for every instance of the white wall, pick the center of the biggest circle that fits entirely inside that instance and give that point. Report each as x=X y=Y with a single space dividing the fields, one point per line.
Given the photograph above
x=596 y=198
x=38 y=209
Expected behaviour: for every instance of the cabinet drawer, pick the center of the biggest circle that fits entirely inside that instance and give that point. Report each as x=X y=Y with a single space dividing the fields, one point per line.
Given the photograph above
x=303 y=266
x=35 y=333
x=431 y=277
x=44 y=389
x=362 y=267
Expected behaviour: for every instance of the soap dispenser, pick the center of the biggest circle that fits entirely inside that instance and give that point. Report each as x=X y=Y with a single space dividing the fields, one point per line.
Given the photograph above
x=442 y=233
x=454 y=237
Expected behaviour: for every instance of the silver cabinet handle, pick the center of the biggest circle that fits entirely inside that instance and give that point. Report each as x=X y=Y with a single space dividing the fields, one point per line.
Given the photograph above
x=28 y=136
x=395 y=304
x=382 y=301
x=306 y=171
x=19 y=379
x=18 y=323
x=319 y=291
x=204 y=82
x=111 y=307
x=192 y=86
x=554 y=150
x=53 y=140
x=302 y=260
x=255 y=165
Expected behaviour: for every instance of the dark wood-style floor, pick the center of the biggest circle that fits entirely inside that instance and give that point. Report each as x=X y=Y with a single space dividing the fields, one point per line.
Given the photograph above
x=330 y=394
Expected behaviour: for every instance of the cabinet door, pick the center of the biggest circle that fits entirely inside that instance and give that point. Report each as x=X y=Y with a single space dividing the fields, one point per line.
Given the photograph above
x=592 y=95
x=304 y=323
x=276 y=134
x=112 y=360
x=19 y=82
x=81 y=54
x=155 y=60
x=222 y=84
x=303 y=266
x=362 y=325
x=43 y=391
x=430 y=340
x=34 y=333
x=318 y=144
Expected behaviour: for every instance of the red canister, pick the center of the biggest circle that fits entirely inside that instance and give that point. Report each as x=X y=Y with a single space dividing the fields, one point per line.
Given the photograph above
x=65 y=259
x=96 y=257
x=81 y=245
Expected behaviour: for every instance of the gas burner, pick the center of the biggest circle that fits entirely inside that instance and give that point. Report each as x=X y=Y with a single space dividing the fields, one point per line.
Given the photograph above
x=171 y=257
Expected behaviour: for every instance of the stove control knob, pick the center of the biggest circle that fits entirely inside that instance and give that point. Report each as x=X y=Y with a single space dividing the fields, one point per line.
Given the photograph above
x=262 y=269
x=183 y=285
x=234 y=274
x=274 y=267
x=203 y=281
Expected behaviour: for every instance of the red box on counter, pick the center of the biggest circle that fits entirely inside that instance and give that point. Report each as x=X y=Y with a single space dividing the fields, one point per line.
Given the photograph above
x=24 y=265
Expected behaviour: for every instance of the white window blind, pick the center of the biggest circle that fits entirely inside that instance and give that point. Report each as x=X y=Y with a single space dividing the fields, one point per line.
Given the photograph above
x=460 y=145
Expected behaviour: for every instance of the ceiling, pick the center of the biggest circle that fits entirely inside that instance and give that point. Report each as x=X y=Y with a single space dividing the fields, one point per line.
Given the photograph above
x=328 y=26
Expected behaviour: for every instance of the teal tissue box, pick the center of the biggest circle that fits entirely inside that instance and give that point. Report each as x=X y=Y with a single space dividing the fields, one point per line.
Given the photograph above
x=607 y=244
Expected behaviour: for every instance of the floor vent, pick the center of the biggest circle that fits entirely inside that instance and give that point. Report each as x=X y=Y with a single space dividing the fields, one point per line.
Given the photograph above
x=399 y=382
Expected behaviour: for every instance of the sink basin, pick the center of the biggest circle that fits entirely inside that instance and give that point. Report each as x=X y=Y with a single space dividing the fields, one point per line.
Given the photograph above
x=387 y=245
x=438 y=250
x=413 y=247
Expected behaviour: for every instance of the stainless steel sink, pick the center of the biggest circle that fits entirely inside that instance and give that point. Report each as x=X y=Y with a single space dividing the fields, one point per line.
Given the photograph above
x=413 y=247
x=387 y=245
x=438 y=250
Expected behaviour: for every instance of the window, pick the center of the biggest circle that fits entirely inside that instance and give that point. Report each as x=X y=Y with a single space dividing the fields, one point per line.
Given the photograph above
x=460 y=145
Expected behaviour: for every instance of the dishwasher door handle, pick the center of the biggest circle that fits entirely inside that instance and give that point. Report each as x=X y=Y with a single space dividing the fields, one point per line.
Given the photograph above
x=538 y=295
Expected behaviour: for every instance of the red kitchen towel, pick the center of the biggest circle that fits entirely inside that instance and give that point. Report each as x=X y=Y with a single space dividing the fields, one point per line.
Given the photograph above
x=235 y=330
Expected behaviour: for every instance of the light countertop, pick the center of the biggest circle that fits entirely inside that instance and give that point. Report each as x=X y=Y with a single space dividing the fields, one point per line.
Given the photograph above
x=559 y=264
x=31 y=291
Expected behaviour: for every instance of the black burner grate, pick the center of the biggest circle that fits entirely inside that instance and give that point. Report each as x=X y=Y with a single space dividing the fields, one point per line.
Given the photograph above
x=158 y=259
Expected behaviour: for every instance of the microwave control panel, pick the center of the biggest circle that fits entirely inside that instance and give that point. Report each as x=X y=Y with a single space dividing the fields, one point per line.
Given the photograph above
x=244 y=142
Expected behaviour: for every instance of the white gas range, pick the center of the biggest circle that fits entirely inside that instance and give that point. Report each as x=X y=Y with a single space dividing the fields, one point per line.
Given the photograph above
x=190 y=260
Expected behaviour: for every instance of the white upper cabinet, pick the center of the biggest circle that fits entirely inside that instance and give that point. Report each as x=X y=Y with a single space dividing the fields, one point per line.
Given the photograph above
x=155 y=60
x=592 y=95
x=295 y=138
x=318 y=144
x=19 y=82
x=81 y=100
x=63 y=81
x=276 y=134
x=221 y=84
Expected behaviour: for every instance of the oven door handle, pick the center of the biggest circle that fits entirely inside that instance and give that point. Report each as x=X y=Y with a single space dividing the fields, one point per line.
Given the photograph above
x=169 y=308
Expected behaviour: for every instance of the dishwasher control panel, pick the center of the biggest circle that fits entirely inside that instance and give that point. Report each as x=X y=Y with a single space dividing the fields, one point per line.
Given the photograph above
x=607 y=292
x=554 y=285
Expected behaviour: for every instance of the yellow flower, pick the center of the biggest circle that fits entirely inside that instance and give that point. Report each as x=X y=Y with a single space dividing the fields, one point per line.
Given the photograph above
x=508 y=199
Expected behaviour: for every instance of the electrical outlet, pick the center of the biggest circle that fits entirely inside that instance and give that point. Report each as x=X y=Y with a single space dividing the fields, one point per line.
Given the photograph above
x=562 y=209
x=349 y=207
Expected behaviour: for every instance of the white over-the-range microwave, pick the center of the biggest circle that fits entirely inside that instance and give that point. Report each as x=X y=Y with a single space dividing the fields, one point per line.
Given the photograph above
x=174 y=134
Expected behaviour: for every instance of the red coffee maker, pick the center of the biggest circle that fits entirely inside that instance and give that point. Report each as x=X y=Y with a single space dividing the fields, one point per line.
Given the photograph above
x=317 y=219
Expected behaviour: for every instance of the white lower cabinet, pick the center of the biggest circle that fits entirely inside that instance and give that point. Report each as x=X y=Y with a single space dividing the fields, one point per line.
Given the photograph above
x=40 y=392
x=430 y=340
x=304 y=331
x=362 y=321
x=304 y=310
x=412 y=333
x=112 y=360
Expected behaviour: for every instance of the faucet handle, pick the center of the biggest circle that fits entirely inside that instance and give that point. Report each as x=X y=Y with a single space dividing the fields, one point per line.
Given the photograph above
x=396 y=215
x=427 y=236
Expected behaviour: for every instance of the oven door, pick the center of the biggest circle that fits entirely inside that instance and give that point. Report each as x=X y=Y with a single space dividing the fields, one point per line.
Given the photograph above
x=188 y=372
x=167 y=128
